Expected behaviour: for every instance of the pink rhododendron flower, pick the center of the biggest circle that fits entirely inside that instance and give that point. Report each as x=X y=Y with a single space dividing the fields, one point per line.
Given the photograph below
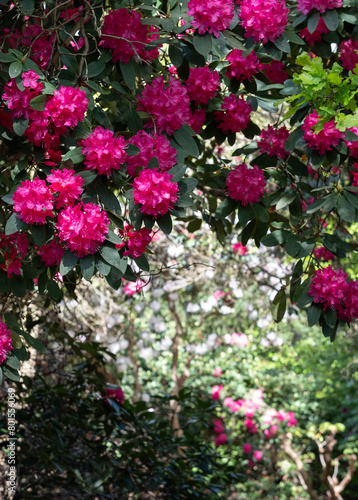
x=247 y=448
x=251 y=426
x=217 y=372
x=348 y=54
x=353 y=145
x=242 y=68
x=5 y=342
x=67 y=107
x=257 y=455
x=138 y=242
x=275 y=71
x=292 y=421
x=67 y=185
x=218 y=294
x=33 y=201
x=272 y=141
x=233 y=405
x=159 y=101
x=215 y=392
x=30 y=80
x=269 y=415
x=240 y=249
x=316 y=36
x=22 y=243
x=155 y=192
x=218 y=426
x=324 y=140
x=115 y=394
x=134 y=287
x=220 y=439
x=103 y=151
x=234 y=115
x=329 y=287
x=202 y=84
x=82 y=228
x=350 y=312
x=52 y=253
x=212 y=15
x=197 y=120
x=12 y=263
x=264 y=20
x=240 y=339
x=305 y=6
x=124 y=33
x=273 y=430
x=246 y=184
x=151 y=145
x=41 y=44
x=322 y=253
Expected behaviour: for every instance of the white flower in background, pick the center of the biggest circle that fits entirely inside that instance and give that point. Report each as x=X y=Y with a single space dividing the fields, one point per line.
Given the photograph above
x=139 y=306
x=158 y=292
x=165 y=344
x=227 y=338
x=155 y=306
x=114 y=319
x=174 y=251
x=271 y=336
x=123 y=363
x=192 y=308
x=264 y=342
x=146 y=353
x=225 y=310
x=210 y=274
x=212 y=338
x=201 y=349
x=263 y=322
x=157 y=324
x=145 y=397
x=147 y=337
x=209 y=304
x=190 y=348
x=279 y=341
x=173 y=296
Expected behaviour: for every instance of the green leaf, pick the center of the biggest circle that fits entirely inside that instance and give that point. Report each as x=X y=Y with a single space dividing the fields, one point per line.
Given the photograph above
x=39 y=234
x=132 y=150
x=275 y=238
x=11 y=373
x=12 y=362
x=292 y=140
x=54 y=290
x=226 y=207
x=27 y=6
x=260 y=212
x=331 y=19
x=313 y=314
x=285 y=200
x=13 y=225
x=38 y=103
x=20 y=125
x=87 y=177
x=95 y=68
x=282 y=44
x=109 y=200
x=184 y=201
x=186 y=141
x=313 y=21
x=330 y=317
x=75 y=155
x=187 y=185
x=194 y=225
x=128 y=74
x=87 y=266
x=278 y=308
x=345 y=210
x=102 y=266
x=176 y=54
x=316 y=205
x=15 y=69
x=165 y=223
x=113 y=238
x=202 y=43
x=35 y=343
x=247 y=232
x=177 y=172
x=351 y=198
x=351 y=136
x=111 y=255
x=142 y=262
x=68 y=262
x=6 y=57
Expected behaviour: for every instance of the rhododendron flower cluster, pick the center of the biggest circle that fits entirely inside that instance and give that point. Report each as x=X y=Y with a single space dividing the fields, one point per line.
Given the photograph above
x=246 y=184
x=212 y=16
x=275 y=71
x=5 y=342
x=137 y=241
x=40 y=44
x=272 y=141
x=348 y=54
x=52 y=253
x=240 y=249
x=134 y=287
x=15 y=248
x=215 y=392
x=82 y=228
x=322 y=253
x=264 y=21
x=316 y=36
x=234 y=115
x=217 y=372
x=247 y=448
x=305 y=6
x=124 y=33
x=242 y=68
x=202 y=84
x=155 y=192
x=115 y=394
x=220 y=439
x=66 y=108
x=66 y=185
x=151 y=146
x=240 y=339
x=19 y=101
x=159 y=101
x=325 y=139
x=353 y=145
x=218 y=425
x=33 y=201
x=197 y=120
x=103 y=151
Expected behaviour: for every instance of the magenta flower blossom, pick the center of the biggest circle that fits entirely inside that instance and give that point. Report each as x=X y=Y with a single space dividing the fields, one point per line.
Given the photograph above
x=52 y=253
x=138 y=242
x=212 y=15
x=264 y=20
x=272 y=141
x=134 y=287
x=316 y=36
x=33 y=201
x=275 y=71
x=115 y=394
x=197 y=120
x=257 y=455
x=67 y=107
x=305 y=6
x=215 y=392
x=202 y=84
x=322 y=253
x=124 y=33
x=348 y=54
x=67 y=185
x=324 y=140
x=353 y=145
x=150 y=146
x=218 y=425
x=161 y=101
x=5 y=342
x=329 y=287
x=103 y=151
x=242 y=68
x=220 y=439
x=246 y=184
x=155 y=192
x=234 y=115
x=82 y=228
